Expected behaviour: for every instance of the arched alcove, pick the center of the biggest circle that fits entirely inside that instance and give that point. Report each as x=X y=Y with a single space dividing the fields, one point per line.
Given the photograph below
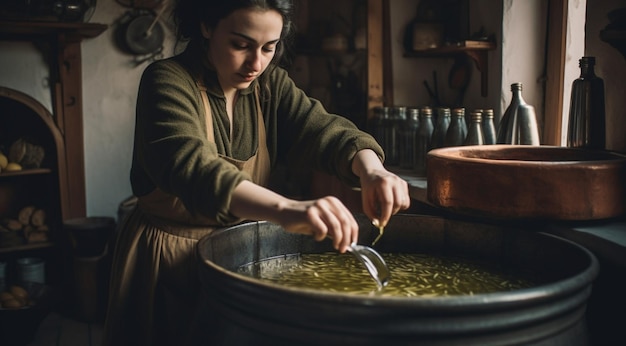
x=23 y=117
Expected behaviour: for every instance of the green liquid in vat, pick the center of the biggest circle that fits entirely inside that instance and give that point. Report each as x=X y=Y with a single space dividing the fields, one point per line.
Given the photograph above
x=412 y=275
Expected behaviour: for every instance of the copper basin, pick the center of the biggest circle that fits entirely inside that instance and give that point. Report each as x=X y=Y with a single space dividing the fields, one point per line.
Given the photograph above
x=531 y=182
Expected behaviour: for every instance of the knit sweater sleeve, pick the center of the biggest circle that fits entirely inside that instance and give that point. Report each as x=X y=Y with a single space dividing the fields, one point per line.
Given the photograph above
x=172 y=151
x=312 y=138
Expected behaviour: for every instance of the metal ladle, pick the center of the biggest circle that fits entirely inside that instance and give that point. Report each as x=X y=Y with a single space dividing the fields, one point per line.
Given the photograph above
x=374 y=263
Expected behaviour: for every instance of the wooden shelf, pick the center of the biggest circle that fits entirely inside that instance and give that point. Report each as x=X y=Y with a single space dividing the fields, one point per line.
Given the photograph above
x=26 y=172
x=60 y=46
x=71 y=31
x=476 y=50
x=26 y=247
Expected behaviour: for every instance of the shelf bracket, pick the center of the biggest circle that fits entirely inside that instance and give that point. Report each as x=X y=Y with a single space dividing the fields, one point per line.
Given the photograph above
x=480 y=59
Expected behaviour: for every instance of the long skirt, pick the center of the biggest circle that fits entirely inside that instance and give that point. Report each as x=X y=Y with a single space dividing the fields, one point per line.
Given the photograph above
x=154 y=294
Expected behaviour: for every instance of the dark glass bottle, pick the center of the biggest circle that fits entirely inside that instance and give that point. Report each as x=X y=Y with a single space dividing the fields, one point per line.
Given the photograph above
x=407 y=136
x=424 y=137
x=475 y=130
x=384 y=133
x=489 y=128
x=374 y=122
x=398 y=118
x=519 y=122
x=587 y=123
x=441 y=127
x=457 y=131
x=377 y=126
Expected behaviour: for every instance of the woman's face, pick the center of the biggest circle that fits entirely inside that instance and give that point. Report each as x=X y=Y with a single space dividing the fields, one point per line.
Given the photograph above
x=242 y=45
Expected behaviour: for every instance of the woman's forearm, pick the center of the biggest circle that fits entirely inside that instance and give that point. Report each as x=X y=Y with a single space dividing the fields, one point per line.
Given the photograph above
x=366 y=161
x=253 y=202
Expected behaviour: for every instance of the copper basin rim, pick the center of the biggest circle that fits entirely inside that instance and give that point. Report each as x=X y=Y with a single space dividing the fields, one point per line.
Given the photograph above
x=530 y=182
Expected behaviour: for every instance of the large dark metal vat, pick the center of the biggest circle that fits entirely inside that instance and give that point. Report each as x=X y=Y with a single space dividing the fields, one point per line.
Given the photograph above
x=244 y=311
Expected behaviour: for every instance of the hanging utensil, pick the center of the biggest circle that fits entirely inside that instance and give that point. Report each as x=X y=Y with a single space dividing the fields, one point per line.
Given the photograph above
x=459 y=78
x=143 y=34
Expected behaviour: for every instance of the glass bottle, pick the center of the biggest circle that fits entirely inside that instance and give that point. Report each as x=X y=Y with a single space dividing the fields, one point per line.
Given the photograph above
x=3 y=280
x=424 y=137
x=586 y=127
x=441 y=127
x=398 y=116
x=407 y=139
x=390 y=141
x=468 y=117
x=519 y=122
x=489 y=128
x=374 y=122
x=377 y=126
x=475 y=130
x=457 y=131
x=383 y=131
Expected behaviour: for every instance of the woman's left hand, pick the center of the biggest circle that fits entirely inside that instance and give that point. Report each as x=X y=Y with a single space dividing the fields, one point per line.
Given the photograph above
x=383 y=192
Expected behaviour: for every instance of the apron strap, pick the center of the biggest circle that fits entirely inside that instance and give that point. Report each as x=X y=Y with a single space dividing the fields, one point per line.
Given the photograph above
x=207 y=112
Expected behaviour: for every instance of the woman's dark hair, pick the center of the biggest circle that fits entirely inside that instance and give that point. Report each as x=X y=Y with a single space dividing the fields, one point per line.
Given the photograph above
x=188 y=15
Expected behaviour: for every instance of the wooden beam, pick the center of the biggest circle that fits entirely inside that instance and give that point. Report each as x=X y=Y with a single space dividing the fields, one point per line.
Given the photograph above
x=387 y=66
x=71 y=118
x=555 y=73
x=374 y=55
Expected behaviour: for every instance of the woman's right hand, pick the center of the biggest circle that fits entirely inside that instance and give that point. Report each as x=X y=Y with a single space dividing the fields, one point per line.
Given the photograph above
x=325 y=217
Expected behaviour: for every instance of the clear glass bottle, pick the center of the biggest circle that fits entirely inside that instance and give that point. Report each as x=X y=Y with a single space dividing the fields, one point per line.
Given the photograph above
x=475 y=130
x=424 y=137
x=489 y=128
x=587 y=123
x=519 y=122
x=457 y=131
x=441 y=127
x=407 y=136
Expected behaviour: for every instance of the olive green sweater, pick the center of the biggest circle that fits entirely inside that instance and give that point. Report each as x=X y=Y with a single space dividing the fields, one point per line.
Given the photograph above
x=171 y=150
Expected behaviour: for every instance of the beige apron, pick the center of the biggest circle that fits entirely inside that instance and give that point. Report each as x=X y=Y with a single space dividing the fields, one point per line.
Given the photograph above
x=154 y=283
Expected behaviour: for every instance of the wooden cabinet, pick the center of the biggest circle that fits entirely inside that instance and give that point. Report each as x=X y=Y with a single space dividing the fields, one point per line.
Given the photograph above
x=338 y=55
x=57 y=186
x=63 y=40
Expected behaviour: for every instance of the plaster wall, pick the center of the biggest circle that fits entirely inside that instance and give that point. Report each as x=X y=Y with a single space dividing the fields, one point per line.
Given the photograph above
x=111 y=78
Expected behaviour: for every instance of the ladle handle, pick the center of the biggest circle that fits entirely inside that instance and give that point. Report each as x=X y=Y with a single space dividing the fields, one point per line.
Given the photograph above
x=156 y=18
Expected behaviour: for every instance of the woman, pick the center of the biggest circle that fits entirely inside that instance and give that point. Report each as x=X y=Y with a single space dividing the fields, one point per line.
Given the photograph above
x=211 y=124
